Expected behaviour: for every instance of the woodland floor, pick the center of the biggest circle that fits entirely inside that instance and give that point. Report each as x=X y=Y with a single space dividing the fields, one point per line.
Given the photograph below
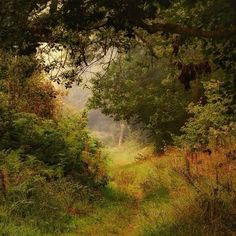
x=126 y=208
x=149 y=196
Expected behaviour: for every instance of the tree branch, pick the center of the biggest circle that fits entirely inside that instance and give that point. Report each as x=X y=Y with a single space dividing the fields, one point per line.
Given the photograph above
x=148 y=44
x=53 y=7
x=188 y=31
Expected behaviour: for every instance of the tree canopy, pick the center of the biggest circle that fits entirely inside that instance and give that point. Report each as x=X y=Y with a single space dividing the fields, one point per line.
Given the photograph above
x=87 y=29
x=24 y=24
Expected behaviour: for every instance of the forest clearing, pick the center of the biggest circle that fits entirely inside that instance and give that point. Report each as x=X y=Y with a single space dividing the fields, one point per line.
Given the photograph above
x=117 y=117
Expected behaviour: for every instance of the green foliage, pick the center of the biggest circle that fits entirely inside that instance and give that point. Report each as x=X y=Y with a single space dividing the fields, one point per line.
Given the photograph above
x=47 y=162
x=105 y=24
x=212 y=124
x=47 y=166
x=30 y=198
x=28 y=123
x=26 y=89
x=65 y=144
x=139 y=91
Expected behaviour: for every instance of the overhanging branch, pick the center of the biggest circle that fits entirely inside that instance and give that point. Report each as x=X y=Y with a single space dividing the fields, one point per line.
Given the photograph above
x=189 y=31
x=148 y=44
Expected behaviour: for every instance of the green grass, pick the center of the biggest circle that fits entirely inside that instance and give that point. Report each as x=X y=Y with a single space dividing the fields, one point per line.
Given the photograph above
x=131 y=200
x=143 y=198
x=147 y=198
x=122 y=155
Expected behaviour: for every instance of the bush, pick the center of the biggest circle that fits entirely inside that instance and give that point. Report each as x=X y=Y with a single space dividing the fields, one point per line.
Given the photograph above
x=48 y=164
x=35 y=194
x=211 y=124
x=65 y=144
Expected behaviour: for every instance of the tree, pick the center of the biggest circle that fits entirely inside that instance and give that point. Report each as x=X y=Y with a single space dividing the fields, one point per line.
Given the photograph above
x=25 y=87
x=87 y=29
x=142 y=92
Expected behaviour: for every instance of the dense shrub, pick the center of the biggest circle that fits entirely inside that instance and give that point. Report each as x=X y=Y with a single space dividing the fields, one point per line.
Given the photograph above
x=34 y=194
x=65 y=144
x=212 y=123
x=48 y=163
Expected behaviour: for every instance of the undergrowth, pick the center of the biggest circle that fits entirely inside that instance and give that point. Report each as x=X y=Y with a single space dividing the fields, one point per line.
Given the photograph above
x=155 y=196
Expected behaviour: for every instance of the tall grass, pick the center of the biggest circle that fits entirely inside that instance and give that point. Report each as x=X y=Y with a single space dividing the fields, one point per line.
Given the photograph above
x=153 y=195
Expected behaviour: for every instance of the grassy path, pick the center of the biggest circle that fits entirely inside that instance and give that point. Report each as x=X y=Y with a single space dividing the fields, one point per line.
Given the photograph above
x=150 y=198
x=126 y=207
